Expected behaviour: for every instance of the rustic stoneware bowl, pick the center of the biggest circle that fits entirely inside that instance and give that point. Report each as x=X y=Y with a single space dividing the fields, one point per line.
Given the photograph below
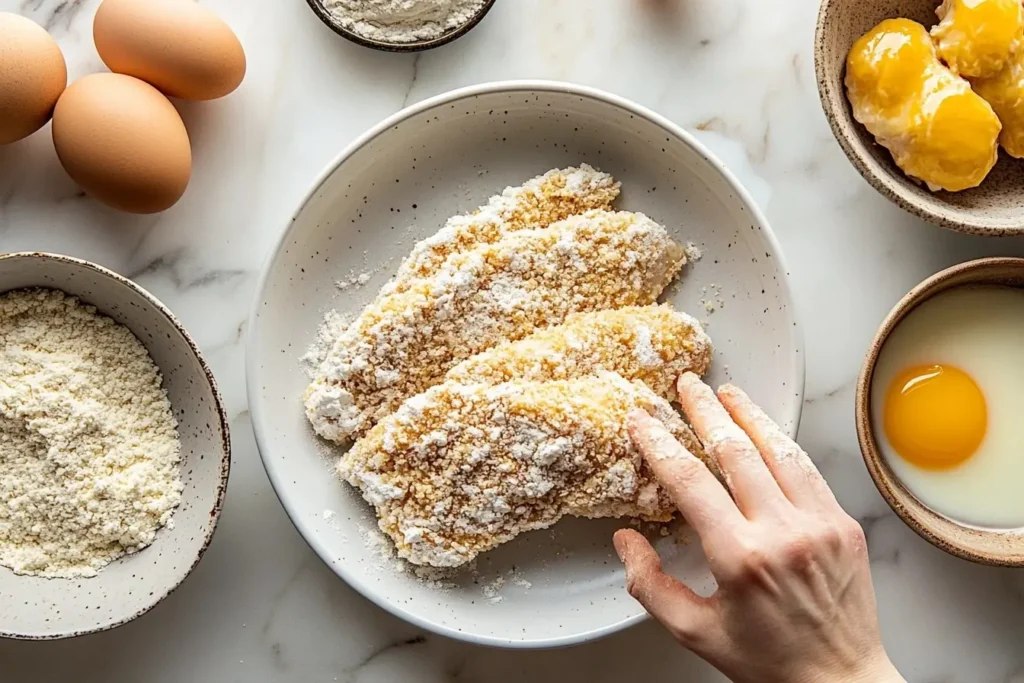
x=34 y=608
x=320 y=10
x=998 y=547
x=398 y=184
x=994 y=208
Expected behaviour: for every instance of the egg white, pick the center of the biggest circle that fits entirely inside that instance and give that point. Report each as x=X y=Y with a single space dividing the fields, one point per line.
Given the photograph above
x=981 y=331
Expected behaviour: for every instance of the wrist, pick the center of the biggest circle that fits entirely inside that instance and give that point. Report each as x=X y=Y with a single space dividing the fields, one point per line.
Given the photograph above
x=880 y=670
x=869 y=670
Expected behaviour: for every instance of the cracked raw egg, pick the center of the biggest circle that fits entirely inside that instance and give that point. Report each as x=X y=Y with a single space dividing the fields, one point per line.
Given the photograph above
x=945 y=400
x=935 y=416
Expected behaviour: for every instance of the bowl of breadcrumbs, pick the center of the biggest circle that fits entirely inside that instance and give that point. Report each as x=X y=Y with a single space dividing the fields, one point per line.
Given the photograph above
x=114 y=449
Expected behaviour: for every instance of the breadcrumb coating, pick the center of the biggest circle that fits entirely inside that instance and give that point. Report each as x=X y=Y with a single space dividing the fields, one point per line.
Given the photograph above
x=460 y=469
x=537 y=203
x=654 y=344
x=528 y=280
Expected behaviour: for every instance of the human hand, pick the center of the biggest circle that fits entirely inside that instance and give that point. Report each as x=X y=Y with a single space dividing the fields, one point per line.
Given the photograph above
x=795 y=602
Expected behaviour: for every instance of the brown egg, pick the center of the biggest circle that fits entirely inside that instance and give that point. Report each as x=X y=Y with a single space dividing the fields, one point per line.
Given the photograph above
x=182 y=48
x=123 y=142
x=32 y=77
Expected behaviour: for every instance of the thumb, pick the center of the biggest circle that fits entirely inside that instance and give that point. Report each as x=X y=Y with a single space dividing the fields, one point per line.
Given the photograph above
x=689 y=617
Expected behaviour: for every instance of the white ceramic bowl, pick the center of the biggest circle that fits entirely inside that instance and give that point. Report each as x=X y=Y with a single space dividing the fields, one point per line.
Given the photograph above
x=34 y=608
x=397 y=184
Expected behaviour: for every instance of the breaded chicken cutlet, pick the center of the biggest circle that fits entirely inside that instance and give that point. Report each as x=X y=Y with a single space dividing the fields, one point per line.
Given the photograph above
x=527 y=280
x=461 y=469
x=654 y=344
x=535 y=204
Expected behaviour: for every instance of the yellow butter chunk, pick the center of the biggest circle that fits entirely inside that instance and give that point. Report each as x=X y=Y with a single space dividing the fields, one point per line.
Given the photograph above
x=977 y=38
x=936 y=127
x=1005 y=92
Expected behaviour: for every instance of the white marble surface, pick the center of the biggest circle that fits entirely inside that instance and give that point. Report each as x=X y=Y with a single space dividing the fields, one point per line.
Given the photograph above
x=261 y=606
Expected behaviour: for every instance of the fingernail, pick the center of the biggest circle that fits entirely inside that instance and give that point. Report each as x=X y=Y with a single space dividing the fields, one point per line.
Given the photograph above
x=620 y=547
x=730 y=390
x=687 y=379
x=636 y=416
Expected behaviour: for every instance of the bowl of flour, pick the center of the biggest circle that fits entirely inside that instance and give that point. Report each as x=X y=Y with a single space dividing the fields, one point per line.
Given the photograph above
x=114 y=449
x=401 y=25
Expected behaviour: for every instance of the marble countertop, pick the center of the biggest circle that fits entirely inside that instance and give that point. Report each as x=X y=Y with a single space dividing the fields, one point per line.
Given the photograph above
x=261 y=606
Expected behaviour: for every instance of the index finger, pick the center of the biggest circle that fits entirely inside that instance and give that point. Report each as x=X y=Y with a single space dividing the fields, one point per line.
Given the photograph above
x=701 y=498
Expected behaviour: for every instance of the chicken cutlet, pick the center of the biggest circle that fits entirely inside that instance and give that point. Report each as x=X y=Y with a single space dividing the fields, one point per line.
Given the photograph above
x=528 y=280
x=654 y=344
x=537 y=203
x=460 y=469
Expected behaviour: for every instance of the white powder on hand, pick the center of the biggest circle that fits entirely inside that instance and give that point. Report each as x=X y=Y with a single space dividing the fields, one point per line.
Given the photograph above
x=89 y=448
x=402 y=21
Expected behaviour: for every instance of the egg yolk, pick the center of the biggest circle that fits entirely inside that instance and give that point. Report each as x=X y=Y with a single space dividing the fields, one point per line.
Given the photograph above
x=935 y=416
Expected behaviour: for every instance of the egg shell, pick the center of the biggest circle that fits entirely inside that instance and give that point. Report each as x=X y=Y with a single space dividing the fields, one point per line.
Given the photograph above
x=32 y=76
x=123 y=142
x=180 y=47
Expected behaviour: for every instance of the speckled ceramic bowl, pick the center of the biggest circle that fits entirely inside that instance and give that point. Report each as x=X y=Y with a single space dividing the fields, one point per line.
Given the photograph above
x=994 y=208
x=325 y=15
x=986 y=546
x=34 y=608
x=398 y=184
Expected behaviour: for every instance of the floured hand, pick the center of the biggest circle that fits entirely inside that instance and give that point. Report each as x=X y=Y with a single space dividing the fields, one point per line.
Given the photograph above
x=795 y=602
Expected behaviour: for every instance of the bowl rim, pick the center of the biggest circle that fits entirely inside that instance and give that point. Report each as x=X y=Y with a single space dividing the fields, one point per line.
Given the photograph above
x=469 y=92
x=885 y=183
x=888 y=484
x=419 y=46
x=225 y=463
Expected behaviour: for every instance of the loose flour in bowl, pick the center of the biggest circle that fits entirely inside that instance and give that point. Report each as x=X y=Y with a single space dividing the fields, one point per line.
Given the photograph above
x=403 y=21
x=89 y=448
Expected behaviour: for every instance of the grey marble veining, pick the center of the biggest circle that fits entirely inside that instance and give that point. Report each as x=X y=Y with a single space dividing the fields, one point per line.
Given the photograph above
x=739 y=73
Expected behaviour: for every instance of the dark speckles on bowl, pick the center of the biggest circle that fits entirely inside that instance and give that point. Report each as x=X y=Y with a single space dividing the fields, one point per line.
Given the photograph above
x=994 y=208
x=34 y=608
x=325 y=16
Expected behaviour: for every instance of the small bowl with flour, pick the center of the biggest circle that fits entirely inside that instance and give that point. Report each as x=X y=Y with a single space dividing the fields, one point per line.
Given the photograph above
x=114 y=449
x=401 y=25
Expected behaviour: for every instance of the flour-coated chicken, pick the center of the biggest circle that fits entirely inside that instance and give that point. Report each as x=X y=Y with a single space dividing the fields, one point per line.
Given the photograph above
x=461 y=469
x=653 y=344
x=493 y=293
